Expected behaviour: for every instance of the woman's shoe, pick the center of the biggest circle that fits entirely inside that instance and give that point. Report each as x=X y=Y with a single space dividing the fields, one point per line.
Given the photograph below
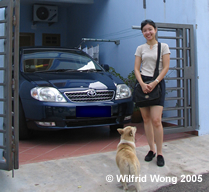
x=150 y=155
x=160 y=161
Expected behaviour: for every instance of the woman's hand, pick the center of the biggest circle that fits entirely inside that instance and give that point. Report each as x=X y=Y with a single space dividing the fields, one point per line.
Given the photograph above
x=145 y=88
x=151 y=86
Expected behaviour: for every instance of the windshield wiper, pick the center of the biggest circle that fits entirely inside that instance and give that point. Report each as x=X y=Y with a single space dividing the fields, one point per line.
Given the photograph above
x=66 y=70
x=90 y=70
x=56 y=70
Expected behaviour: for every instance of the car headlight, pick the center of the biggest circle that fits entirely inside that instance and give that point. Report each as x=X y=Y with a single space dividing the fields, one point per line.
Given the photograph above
x=47 y=94
x=122 y=92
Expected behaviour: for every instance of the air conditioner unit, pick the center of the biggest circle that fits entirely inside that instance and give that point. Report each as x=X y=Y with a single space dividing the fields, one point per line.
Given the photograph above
x=45 y=13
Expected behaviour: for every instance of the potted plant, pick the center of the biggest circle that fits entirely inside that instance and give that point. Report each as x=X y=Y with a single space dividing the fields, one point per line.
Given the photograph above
x=130 y=80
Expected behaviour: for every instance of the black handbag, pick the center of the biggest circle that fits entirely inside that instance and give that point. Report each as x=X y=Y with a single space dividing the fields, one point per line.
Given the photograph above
x=142 y=99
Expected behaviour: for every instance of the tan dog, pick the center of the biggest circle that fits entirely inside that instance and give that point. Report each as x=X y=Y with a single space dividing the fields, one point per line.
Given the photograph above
x=126 y=158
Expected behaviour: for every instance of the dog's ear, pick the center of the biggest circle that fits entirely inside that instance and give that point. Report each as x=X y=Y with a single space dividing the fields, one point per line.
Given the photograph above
x=121 y=131
x=131 y=132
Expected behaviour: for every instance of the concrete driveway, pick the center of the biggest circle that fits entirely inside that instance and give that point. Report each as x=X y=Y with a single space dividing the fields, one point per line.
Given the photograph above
x=87 y=173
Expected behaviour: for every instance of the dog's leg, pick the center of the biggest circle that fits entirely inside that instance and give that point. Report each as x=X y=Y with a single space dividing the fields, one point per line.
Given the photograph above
x=125 y=186
x=137 y=183
x=137 y=186
x=135 y=171
x=124 y=172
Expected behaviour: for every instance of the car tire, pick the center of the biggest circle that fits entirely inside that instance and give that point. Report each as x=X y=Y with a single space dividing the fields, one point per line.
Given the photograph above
x=113 y=128
x=24 y=132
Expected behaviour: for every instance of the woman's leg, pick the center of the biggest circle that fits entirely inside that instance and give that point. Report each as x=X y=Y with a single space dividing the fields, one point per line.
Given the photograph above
x=156 y=117
x=145 y=112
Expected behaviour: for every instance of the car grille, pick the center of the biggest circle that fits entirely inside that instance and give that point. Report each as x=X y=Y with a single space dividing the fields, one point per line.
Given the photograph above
x=83 y=96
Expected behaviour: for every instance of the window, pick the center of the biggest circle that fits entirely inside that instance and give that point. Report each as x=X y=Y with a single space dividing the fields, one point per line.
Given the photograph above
x=27 y=39
x=51 y=39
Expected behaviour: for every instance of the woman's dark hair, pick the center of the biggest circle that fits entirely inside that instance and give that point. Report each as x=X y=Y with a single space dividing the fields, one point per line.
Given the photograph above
x=147 y=21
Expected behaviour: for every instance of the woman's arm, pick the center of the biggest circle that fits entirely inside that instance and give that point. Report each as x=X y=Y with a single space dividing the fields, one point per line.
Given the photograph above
x=166 y=63
x=137 y=66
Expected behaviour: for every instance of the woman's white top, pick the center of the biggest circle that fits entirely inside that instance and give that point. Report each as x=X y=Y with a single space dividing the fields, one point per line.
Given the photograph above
x=149 y=58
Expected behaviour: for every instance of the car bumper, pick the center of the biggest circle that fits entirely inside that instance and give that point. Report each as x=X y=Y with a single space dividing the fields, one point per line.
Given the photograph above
x=47 y=115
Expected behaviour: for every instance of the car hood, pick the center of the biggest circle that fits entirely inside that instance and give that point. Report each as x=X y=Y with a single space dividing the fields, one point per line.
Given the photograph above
x=94 y=80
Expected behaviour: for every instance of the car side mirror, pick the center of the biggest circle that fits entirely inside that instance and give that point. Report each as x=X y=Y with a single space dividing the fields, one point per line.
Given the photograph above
x=106 y=67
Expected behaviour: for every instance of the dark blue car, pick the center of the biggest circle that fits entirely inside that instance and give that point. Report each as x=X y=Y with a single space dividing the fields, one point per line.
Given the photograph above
x=65 y=88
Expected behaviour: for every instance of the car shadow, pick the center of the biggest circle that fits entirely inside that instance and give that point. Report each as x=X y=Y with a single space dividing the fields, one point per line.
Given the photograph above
x=74 y=135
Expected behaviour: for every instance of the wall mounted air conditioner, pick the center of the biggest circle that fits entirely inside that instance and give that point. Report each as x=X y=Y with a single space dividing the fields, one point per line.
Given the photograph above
x=45 y=13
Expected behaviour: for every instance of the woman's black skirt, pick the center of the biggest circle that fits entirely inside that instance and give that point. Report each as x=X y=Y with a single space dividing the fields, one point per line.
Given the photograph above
x=161 y=100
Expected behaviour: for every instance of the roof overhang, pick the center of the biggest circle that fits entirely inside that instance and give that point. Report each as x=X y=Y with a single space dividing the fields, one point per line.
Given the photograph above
x=67 y=1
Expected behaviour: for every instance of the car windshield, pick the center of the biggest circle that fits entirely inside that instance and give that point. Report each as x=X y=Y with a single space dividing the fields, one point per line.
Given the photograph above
x=58 y=61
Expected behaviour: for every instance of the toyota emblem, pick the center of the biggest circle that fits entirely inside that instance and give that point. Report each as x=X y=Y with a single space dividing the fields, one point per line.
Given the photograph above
x=91 y=93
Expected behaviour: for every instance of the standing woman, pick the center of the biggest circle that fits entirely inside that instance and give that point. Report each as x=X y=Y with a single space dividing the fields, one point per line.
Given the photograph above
x=145 y=63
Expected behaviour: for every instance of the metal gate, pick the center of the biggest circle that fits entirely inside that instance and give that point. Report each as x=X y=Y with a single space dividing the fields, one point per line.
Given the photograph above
x=179 y=113
x=9 y=70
